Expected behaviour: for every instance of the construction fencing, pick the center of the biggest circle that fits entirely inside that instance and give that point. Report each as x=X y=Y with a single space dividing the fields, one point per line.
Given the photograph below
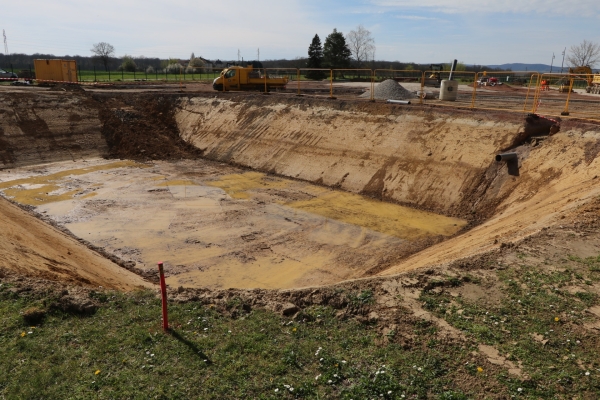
x=521 y=91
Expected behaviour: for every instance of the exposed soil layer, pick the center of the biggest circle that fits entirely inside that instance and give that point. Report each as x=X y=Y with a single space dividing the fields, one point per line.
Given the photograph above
x=439 y=160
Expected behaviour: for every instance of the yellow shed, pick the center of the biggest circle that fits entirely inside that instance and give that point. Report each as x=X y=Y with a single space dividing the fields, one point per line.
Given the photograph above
x=56 y=70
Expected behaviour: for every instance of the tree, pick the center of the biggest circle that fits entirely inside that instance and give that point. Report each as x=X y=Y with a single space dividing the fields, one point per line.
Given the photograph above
x=128 y=64
x=587 y=53
x=103 y=51
x=315 y=59
x=361 y=44
x=336 y=53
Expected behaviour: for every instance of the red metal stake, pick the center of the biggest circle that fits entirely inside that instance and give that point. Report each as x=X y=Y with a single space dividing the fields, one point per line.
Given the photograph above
x=163 y=291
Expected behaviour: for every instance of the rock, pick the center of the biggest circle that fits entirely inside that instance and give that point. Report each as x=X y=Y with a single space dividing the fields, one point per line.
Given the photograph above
x=289 y=309
x=373 y=317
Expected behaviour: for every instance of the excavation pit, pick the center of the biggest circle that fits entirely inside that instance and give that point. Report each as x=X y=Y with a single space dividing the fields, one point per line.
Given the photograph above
x=248 y=191
x=218 y=226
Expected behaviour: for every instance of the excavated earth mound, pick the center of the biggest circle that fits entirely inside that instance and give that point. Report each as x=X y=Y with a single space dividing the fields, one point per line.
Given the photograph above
x=390 y=90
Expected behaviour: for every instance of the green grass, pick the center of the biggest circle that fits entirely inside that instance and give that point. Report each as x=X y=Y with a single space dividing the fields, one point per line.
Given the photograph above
x=209 y=355
x=117 y=76
x=231 y=351
x=536 y=305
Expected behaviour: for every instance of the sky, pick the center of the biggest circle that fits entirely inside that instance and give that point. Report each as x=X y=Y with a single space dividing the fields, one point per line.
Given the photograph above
x=480 y=32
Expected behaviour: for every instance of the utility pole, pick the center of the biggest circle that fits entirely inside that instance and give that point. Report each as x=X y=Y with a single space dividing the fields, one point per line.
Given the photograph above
x=258 y=54
x=5 y=43
x=552 y=63
x=563 y=61
x=238 y=56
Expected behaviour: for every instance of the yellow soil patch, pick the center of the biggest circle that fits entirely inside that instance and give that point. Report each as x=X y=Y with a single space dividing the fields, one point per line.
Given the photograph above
x=178 y=183
x=38 y=190
x=391 y=219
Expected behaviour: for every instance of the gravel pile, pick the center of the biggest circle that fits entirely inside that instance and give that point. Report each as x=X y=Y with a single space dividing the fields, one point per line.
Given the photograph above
x=390 y=90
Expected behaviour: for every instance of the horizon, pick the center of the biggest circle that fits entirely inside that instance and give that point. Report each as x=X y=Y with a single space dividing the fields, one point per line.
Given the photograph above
x=432 y=31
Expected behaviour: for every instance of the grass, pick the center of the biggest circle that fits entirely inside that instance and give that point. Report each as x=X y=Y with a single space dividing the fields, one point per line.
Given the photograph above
x=538 y=323
x=120 y=352
x=234 y=351
x=117 y=76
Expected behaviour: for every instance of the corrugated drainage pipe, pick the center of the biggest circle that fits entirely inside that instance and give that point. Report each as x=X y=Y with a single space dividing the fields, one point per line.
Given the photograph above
x=506 y=157
x=398 y=101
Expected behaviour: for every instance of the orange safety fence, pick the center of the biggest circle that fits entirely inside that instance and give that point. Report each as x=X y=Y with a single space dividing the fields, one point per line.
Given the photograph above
x=568 y=95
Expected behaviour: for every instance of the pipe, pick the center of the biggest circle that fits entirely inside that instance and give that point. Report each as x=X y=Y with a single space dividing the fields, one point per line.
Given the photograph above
x=452 y=70
x=506 y=157
x=398 y=101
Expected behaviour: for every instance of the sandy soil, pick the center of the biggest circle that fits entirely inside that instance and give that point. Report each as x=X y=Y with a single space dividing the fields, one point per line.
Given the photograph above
x=217 y=226
x=32 y=247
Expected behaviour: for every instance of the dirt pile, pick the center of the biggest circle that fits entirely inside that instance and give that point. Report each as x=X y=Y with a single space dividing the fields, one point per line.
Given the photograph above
x=142 y=128
x=390 y=90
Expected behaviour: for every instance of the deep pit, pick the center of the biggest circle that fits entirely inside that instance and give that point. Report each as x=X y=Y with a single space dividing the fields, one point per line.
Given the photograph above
x=250 y=191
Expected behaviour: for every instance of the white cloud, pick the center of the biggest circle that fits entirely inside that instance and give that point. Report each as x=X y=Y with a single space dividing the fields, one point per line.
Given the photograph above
x=416 y=18
x=556 y=7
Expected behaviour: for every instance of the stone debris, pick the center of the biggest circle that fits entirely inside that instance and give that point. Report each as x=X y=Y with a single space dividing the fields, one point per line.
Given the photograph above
x=390 y=90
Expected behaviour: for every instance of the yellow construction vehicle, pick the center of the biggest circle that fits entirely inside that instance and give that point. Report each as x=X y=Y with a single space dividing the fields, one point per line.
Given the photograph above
x=435 y=79
x=583 y=72
x=247 y=78
x=595 y=86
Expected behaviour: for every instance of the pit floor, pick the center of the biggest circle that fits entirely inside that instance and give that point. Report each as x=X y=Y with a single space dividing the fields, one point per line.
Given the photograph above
x=219 y=226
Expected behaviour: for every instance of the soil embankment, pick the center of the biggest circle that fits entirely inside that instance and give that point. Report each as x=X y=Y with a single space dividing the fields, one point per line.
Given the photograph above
x=422 y=157
x=440 y=160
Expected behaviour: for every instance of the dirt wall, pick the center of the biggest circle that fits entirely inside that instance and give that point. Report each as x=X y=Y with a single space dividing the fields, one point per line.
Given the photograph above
x=42 y=127
x=429 y=158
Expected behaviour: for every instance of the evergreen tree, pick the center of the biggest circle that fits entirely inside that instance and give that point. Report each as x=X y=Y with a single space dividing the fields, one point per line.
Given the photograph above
x=315 y=59
x=335 y=51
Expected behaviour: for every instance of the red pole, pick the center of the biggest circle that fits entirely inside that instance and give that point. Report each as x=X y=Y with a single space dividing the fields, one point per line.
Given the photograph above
x=163 y=291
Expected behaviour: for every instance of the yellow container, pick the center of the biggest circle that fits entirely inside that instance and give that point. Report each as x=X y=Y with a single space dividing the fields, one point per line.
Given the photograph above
x=56 y=70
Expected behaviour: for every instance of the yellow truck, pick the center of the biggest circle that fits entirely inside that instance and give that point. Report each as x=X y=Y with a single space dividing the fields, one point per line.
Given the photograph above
x=247 y=78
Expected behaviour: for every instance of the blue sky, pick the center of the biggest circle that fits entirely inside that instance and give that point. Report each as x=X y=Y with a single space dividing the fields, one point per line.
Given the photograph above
x=422 y=31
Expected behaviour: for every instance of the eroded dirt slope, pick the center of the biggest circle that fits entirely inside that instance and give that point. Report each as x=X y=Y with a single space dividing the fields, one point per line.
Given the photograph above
x=44 y=127
x=423 y=157
x=32 y=247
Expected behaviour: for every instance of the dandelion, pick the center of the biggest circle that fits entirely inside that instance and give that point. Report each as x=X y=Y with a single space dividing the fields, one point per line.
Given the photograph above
x=293 y=330
x=291 y=389
x=479 y=369
x=97 y=372
x=519 y=390
x=419 y=369
x=23 y=334
x=556 y=319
